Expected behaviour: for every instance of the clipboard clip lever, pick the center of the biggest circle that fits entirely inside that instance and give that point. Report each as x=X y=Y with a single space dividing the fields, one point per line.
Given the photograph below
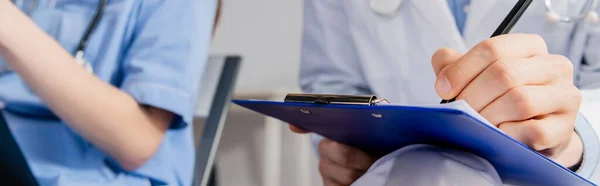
x=335 y=99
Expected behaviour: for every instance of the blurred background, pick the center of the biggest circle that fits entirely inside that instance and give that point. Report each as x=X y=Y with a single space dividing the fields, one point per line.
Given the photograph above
x=255 y=150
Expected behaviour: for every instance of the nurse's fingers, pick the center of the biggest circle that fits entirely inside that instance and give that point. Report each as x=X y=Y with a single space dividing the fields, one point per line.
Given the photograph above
x=444 y=57
x=506 y=74
x=345 y=156
x=456 y=76
x=526 y=102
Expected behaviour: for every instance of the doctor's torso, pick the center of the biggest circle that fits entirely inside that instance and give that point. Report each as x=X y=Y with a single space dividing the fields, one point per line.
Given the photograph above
x=395 y=49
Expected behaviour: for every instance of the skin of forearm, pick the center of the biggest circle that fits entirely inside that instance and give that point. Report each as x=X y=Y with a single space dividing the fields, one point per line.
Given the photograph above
x=109 y=118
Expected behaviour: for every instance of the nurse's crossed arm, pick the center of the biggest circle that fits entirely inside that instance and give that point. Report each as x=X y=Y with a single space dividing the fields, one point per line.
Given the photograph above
x=106 y=116
x=513 y=82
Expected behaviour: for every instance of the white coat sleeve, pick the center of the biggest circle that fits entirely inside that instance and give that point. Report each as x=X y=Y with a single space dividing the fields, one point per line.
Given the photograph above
x=588 y=80
x=329 y=58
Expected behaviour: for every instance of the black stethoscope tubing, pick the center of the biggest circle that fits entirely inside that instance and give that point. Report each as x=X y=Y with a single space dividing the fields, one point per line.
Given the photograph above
x=92 y=26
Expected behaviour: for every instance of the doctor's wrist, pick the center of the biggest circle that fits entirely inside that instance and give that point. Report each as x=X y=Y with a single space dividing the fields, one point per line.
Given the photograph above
x=591 y=147
x=576 y=167
x=571 y=152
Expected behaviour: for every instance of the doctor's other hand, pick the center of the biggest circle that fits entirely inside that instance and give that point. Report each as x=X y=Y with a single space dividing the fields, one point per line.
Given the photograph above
x=297 y=130
x=514 y=83
x=341 y=165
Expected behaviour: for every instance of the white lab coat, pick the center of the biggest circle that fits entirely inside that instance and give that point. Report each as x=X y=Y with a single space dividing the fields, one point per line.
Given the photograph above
x=348 y=48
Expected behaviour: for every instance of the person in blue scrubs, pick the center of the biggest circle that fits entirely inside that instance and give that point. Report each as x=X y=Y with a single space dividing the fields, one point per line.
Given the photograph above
x=129 y=122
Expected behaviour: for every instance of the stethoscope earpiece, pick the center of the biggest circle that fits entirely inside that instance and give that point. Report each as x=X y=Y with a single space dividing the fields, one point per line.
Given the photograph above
x=552 y=16
x=79 y=58
x=592 y=17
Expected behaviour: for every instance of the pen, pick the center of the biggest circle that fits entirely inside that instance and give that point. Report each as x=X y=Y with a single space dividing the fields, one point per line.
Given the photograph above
x=507 y=24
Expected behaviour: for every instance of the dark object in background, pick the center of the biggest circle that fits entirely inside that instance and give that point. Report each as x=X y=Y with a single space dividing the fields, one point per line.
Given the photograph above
x=213 y=127
x=14 y=169
x=212 y=180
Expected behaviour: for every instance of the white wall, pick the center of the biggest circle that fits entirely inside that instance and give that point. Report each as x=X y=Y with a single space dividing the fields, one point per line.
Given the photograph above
x=266 y=33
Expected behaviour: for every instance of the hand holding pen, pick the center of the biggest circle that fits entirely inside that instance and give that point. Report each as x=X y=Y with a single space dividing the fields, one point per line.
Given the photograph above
x=513 y=82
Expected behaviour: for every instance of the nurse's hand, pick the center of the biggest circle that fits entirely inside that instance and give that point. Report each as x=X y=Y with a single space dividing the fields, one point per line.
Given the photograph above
x=514 y=83
x=339 y=164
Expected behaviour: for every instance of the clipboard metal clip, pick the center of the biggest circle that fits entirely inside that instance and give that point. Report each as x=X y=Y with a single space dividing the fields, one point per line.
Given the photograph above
x=335 y=99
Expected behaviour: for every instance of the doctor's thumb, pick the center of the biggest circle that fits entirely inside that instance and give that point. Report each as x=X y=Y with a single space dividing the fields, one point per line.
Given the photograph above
x=442 y=58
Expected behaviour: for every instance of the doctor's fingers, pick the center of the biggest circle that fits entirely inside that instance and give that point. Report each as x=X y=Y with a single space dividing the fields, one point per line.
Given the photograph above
x=454 y=78
x=533 y=102
x=334 y=174
x=329 y=182
x=444 y=57
x=345 y=156
x=506 y=74
x=297 y=129
x=548 y=135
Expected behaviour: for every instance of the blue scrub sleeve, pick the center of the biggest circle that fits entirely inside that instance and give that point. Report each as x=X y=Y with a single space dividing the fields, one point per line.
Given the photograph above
x=167 y=56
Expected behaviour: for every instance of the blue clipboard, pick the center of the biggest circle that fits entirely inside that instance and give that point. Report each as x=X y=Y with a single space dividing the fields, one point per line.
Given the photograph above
x=381 y=129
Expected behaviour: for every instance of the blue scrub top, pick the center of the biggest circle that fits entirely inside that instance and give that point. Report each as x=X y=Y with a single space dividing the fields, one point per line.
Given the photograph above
x=155 y=50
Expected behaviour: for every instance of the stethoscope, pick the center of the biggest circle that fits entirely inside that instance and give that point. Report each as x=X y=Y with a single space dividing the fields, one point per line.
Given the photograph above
x=588 y=13
x=80 y=51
